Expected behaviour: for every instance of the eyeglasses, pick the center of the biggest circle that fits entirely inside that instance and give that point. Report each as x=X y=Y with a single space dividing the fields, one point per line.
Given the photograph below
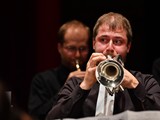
x=74 y=49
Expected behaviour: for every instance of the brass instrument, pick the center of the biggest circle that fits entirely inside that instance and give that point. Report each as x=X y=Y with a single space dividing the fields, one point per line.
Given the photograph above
x=110 y=73
x=77 y=65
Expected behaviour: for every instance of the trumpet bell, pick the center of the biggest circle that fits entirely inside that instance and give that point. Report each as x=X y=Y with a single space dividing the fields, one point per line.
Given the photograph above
x=110 y=74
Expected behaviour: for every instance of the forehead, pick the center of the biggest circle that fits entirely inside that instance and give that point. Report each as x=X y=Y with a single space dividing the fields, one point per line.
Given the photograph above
x=105 y=29
x=76 y=34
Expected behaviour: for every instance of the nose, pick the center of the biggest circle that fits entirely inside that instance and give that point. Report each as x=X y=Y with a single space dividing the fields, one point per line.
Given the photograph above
x=109 y=50
x=77 y=54
x=110 y=47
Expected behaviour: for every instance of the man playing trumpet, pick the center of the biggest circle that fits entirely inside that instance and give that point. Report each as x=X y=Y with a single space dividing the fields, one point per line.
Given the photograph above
x=112 y=35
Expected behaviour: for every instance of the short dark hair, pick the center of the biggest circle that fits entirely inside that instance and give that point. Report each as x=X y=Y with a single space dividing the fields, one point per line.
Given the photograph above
x=115 y=21
x=72 y=23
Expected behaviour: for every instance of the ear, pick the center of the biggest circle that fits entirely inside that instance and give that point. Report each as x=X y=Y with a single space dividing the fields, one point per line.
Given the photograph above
x=59 y=47
x=93 y=44
x=129 y=47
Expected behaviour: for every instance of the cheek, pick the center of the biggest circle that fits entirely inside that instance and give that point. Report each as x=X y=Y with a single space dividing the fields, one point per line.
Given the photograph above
x=66 y=54
x=99 y=47
x=84 y=56
x=122 y=52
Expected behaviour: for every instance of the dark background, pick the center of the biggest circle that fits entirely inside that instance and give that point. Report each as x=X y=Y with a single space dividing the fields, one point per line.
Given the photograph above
x=29 y=33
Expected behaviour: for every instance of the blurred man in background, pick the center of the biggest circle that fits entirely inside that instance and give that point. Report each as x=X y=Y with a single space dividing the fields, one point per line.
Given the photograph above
x=73 y=48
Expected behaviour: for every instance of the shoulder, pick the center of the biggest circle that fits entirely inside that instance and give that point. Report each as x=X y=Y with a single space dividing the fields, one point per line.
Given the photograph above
x=156 y=62
x=144 y=78
x=139 y=74
x=48 y=75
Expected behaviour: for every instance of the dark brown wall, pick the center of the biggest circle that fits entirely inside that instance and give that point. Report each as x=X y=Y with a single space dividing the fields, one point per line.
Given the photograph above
x=28 y=43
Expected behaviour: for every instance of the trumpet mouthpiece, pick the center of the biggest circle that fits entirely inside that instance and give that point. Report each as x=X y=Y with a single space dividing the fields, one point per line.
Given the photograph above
x=77 y=65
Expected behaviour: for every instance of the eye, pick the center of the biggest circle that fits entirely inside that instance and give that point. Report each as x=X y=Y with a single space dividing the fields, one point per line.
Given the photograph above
x=104 y=40
x=117 y=41
x=71 y=48
x=83 y=49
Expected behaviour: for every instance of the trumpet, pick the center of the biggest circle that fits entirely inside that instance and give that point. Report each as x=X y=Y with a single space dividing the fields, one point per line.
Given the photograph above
x=110 y=73
x=77 y=65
